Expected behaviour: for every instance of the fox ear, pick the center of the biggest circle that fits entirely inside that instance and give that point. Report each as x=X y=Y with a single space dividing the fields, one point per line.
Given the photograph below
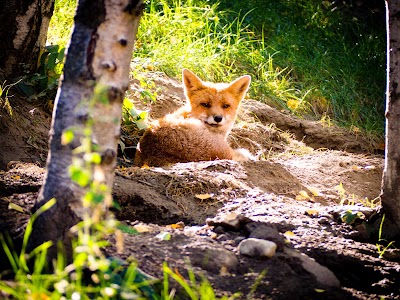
x=190 y=81
x=239 y=87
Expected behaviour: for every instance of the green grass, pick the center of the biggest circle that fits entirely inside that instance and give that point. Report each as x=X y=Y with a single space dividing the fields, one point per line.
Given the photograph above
x=306 y=56
x=61 y=22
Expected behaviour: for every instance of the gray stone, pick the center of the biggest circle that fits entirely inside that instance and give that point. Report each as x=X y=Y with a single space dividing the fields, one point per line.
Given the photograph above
x=257 y=248
x=214 y=260
x=265 y=232
x=322 y=273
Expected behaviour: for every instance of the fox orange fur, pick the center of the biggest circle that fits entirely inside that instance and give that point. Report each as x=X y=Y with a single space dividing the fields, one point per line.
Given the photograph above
x=197 y=131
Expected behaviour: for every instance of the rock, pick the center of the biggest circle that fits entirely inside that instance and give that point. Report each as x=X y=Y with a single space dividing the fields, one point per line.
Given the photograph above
x=232 y=221
x=323 y=221
x=238 y=239
x=257 y=248
x=219 y=230
x=264 y=232
x=214 y=260
x=322 y=273
x=222 y=237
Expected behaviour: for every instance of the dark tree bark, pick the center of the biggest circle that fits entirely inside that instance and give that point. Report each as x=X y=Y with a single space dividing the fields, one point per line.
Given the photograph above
x=23 y=32
x=99 y=55
x=391 y=176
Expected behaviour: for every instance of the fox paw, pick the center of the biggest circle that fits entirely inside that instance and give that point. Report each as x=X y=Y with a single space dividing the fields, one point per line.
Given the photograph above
x=241 y=154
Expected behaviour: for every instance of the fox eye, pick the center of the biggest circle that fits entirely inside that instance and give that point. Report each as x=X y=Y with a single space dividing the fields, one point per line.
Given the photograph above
x=225 y=106
x=205 y=104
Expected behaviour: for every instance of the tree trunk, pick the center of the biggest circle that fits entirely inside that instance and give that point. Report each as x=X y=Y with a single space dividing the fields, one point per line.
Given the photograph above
x=391 y=176
x=99 y=55
x=23 y=34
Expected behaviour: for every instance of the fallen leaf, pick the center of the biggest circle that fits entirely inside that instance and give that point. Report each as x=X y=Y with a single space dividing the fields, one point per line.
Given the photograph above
x=368 y=168
x=314 y=191
x=319 y=290
x=204 y=196
x=302 y=196
x=15 y=177
x=289 y=234
x=164 y=236
x=179 y=225
x=356 y=168
x=142 y=228
x=15 y=207
x=312 y=212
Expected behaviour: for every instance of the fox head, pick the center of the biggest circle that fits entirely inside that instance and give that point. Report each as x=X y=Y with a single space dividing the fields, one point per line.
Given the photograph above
x=215 y=104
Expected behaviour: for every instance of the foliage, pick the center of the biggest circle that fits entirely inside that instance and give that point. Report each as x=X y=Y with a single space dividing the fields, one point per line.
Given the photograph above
x=316 y=59
x=306 y=56
x=61 y=22
x=4 y=96
x=380 y=245
x=44 y=83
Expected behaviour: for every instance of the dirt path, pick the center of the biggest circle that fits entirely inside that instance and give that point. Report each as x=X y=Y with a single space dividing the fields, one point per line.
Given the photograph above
x=292 y=195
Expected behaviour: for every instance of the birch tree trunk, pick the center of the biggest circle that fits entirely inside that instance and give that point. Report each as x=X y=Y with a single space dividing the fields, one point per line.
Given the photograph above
x=391 y=176
x=99 y=55
x=23 y=32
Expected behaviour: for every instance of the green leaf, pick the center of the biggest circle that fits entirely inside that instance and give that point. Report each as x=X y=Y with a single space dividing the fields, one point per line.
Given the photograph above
x=141 y=124
x=52 y=48
x=148 y=94
x=349 y=217
x=144 y=114
x=67 y=137
x=51 y=61
x=79 y=176
x=165 y=236
x=100 y=94
x=133 y=112
x=127 y=104
x=92 y=197
x=127 y=229
x=61 y=54
x=93 y=157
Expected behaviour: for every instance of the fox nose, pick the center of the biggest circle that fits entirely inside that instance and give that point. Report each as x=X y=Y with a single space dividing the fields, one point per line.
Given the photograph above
x=217 y=119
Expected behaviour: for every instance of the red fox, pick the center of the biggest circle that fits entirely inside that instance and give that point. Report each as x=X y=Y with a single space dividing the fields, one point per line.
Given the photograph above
x=197 y=131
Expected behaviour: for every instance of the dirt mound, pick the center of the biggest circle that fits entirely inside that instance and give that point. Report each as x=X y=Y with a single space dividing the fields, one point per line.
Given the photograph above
x=24 y=134
x=293 y=195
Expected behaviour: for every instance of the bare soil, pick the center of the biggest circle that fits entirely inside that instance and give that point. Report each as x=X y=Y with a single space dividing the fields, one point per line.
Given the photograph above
x=307 y=180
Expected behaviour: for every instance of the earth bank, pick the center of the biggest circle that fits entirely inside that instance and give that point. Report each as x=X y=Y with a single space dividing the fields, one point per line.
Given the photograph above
x=295 y=195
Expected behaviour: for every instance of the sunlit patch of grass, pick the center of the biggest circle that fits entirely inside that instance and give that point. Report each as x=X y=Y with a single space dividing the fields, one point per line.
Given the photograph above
x=61 y=22
x=307 y=57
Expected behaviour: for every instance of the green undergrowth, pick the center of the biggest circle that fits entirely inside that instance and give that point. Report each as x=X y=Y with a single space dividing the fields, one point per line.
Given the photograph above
x=317 y=59
x=309 y=57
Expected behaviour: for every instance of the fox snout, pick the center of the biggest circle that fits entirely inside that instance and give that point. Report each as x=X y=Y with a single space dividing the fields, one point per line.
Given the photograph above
x=215 y=120
x=218 y=119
